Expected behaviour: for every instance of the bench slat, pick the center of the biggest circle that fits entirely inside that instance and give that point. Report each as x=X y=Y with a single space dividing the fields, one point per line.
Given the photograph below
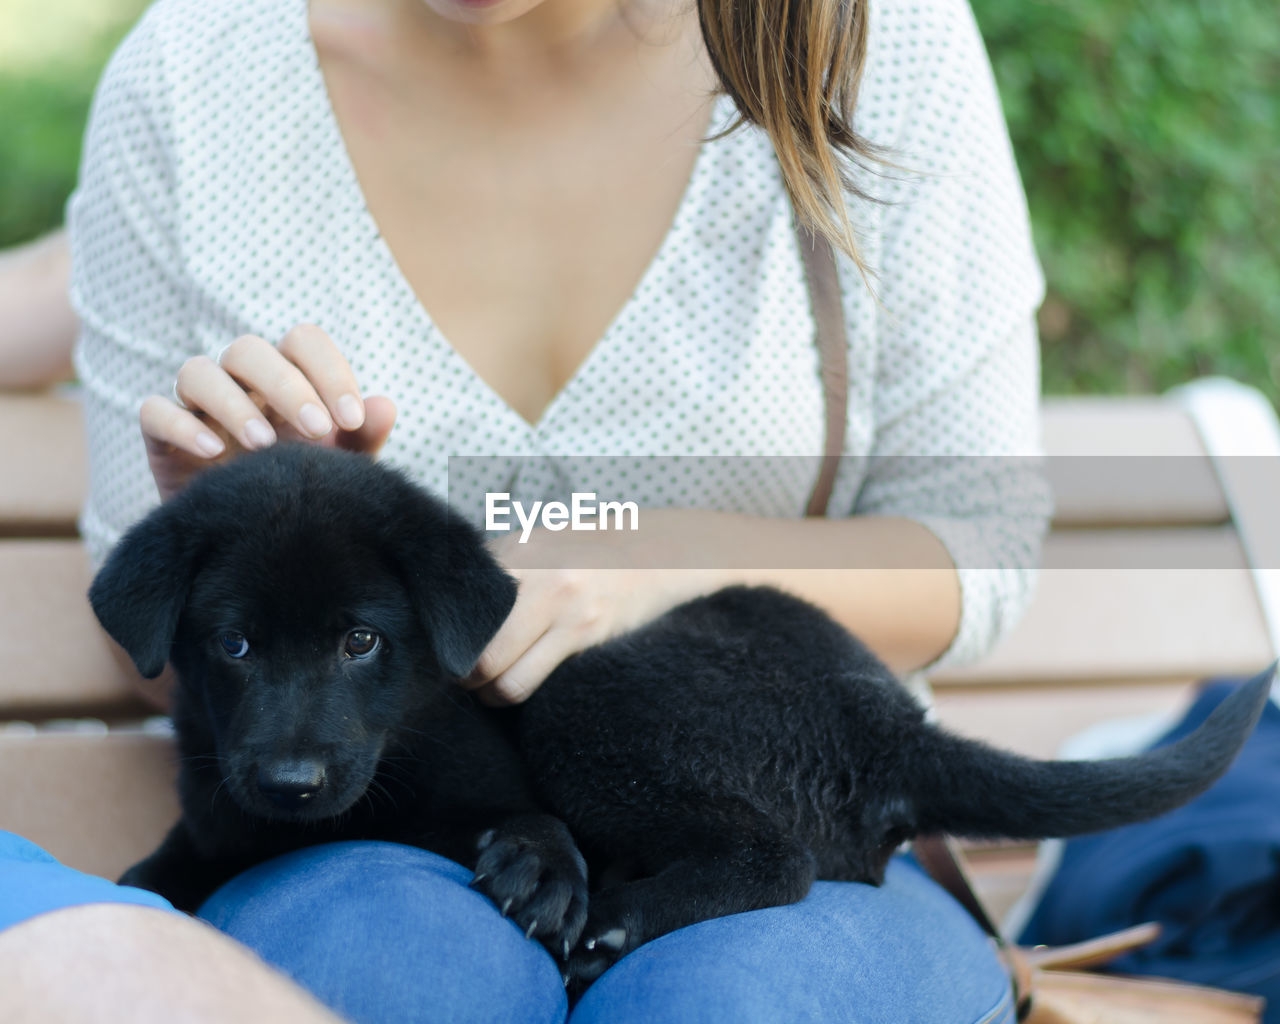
x=1035 y=721
x=1198 y=618
x=98 y=803
x=57 y=661
x=1134 y=461
x=42 y=485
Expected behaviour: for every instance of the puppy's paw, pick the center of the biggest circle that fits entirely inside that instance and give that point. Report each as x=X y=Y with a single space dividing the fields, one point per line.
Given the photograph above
x=534 y=873
x=611 y=932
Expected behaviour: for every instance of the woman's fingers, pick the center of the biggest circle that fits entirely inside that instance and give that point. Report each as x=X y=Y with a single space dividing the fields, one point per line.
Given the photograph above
x=255 y=394
x=179 y=444
x=372 y=434
x=206 y=387
x=166 y=424
x=315 y=354
x=527 y=623
x=260 y=367
x=530 y=670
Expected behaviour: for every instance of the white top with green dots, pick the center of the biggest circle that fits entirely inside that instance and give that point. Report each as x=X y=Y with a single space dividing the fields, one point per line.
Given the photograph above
x=217 y=199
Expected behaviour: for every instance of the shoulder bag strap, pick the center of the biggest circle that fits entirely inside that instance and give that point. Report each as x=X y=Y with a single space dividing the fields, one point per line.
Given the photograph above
x=828 y=317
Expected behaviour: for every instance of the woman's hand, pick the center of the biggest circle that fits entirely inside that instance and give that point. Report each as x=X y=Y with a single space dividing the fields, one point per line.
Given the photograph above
x=579 y=589
x=256 y=394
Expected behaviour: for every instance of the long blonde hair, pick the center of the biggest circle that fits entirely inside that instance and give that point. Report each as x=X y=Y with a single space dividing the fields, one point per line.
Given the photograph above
x=793 y=68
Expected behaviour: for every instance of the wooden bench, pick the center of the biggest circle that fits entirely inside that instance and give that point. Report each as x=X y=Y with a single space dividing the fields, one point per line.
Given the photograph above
x=1147 y=588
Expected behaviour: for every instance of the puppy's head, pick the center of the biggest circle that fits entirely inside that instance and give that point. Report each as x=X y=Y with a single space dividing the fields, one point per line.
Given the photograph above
x=314 y=605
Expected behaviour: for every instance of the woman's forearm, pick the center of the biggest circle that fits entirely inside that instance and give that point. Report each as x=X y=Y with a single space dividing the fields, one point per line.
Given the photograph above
x=888 y=580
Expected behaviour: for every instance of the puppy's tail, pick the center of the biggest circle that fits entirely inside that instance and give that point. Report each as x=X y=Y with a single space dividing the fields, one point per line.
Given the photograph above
x=969 y=789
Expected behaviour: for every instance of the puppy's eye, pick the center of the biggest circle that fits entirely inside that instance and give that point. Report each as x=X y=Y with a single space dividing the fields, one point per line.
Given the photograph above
x=234 y=644
x=360 y=643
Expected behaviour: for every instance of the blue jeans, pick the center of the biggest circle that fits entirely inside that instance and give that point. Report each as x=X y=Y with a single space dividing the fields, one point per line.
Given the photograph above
x=383 y=932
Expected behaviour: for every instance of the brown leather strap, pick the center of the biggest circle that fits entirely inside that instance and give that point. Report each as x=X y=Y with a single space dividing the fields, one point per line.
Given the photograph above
x=940 y=857
x=1093 y=952
x=828 y=318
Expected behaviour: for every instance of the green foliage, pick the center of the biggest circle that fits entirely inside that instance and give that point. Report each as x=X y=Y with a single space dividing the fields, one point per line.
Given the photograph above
x=39 y=151
x=51 y=53
x=1148 y=137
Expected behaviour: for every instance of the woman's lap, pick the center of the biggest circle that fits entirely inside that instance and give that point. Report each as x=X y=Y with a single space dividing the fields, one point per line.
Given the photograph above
x=848 y=952
x=343 y=919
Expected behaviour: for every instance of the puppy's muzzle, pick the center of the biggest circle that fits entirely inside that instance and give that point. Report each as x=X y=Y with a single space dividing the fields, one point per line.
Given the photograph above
x=290 y=785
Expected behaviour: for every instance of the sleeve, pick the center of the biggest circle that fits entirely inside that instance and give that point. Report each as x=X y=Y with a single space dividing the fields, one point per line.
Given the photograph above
x=956 y=388
x=127 y=281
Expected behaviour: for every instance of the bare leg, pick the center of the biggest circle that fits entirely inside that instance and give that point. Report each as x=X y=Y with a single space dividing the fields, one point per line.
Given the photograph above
x=102 y=963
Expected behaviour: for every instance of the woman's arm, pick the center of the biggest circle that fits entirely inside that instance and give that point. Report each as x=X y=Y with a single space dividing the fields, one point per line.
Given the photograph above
x=889 y=580
x=903 y=600
x=39 y=325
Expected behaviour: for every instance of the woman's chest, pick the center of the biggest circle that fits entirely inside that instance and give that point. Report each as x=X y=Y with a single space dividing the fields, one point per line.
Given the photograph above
x=502 y=325
x=524 y=212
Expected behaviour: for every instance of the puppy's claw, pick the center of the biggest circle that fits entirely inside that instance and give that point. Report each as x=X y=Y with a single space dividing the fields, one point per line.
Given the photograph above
x=506 y=905
x=528 y=932
x=614 y=939
x=479 y=878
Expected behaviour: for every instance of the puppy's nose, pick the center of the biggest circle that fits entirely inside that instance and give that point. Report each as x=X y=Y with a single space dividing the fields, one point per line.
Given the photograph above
x=290 y=784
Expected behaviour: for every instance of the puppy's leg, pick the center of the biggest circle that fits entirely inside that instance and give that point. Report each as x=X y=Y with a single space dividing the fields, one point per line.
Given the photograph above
x=180 y=873
x=723 y=874
x=531 y=868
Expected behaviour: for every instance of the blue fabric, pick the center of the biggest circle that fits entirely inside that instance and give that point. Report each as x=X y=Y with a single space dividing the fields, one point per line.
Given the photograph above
x=32 y=881
x=391 y=933
x=1209 y=872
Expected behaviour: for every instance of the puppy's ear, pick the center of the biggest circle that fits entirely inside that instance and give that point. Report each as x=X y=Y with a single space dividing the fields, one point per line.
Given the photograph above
x=460 y=590
x=139 y=593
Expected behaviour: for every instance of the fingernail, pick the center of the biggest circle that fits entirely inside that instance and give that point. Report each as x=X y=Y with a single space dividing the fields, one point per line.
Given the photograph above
x=350 y=412
x=259 y=433
x=209 y=443
x=314 y=420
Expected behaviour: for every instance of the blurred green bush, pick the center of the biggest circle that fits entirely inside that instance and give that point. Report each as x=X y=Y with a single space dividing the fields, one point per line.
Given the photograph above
x=1148 y=136
x=51 y=53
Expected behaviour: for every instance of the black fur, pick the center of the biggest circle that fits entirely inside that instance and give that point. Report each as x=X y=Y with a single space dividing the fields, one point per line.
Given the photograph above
x=714 y=761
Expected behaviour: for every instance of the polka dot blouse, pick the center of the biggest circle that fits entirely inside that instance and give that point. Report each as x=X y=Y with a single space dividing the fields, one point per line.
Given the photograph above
x=216 y=199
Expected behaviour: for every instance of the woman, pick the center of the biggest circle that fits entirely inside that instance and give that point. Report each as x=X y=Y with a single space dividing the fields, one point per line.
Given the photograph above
x=497 y=217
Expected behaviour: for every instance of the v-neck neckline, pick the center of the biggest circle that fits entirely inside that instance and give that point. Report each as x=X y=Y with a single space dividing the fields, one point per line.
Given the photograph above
x=338 y=151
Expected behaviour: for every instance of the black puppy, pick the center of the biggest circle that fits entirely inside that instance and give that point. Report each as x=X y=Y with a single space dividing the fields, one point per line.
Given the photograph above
x=317 y=609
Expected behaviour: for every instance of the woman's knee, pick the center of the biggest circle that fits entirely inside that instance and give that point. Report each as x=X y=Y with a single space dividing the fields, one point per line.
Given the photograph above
x=32 y=882
x=847 y=953
x=383 y=932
